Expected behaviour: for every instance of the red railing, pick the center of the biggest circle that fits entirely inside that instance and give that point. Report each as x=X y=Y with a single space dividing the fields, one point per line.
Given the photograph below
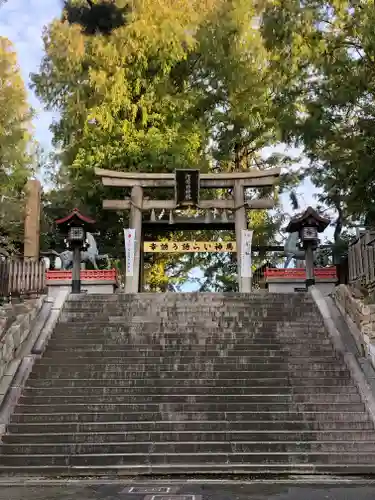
x=298 y=273
x=86 y=275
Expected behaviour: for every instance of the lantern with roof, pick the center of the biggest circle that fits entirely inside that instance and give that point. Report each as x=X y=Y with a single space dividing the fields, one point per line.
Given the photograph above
x=74 y=227
x=308 y=225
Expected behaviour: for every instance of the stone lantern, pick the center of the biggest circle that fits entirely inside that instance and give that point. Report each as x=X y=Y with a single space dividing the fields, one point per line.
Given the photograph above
x=308 y=226
x=74 y=227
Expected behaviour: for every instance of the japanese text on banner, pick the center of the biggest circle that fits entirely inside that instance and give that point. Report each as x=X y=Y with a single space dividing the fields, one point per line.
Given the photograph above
x=129 y=236
x=189 y=246
x=246 y=240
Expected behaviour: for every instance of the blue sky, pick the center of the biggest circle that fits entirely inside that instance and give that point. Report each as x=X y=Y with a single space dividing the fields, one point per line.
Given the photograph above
x=22 y=21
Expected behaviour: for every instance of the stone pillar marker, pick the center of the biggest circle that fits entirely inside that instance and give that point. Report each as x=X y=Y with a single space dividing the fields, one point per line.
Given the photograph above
x=32 y=220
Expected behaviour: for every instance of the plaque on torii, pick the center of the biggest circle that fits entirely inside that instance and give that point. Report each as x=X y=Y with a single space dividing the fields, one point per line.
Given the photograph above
x=187 y=185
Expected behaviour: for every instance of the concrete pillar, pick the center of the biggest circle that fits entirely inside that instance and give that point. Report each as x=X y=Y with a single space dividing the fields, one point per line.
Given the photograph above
x=32 y=220
x=244 y=284
x=135 y=222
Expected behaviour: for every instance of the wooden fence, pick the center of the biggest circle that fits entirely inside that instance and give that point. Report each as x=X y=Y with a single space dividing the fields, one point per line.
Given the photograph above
x=18 y=277
x=361 y=260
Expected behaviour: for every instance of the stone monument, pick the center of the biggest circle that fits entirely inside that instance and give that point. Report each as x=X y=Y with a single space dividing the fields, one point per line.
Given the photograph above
x=32 y=220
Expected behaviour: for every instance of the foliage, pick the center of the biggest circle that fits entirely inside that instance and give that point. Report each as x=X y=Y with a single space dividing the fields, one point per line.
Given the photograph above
x=331 y=45
x=177 y=83
x=17 y=150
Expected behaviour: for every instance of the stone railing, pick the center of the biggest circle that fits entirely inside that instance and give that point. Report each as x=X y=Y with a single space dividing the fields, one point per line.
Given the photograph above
x=359 y=314
x=15 y=324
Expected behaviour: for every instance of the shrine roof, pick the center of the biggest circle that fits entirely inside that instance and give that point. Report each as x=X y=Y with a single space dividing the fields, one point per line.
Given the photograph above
x=75 y=217
x=309 y=217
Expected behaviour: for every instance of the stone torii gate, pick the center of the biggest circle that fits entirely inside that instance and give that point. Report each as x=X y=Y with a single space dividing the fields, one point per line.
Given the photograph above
x=187 y=185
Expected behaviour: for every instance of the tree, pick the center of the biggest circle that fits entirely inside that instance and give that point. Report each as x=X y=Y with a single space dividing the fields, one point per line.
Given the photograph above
x=331 y=46
x=175 y=84
x=17 y=150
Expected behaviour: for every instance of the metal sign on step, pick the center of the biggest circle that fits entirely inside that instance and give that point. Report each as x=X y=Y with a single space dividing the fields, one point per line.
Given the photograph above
x=189 y=246
x=173 y=497
x=150 y=489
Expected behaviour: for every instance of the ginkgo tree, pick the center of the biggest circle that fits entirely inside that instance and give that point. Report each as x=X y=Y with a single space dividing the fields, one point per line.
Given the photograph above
x=17 y=148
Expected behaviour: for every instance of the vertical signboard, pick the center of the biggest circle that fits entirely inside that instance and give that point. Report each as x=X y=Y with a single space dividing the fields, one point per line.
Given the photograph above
x=129 y=236
x=187 y=187
x=246 y=240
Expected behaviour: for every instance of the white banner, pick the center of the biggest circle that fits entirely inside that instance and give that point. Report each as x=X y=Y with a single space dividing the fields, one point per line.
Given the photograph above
x=246 y=240
x=129 y=236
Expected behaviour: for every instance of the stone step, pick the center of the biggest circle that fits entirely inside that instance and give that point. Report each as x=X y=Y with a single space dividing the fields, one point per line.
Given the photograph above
x=150 y=447
x=120 y=323
x=186 y=318
x=191 y=333
x=192 y=458
x=356 y=412
x=189 y=374
x=184 y=301
x=205 y=434
x=199 y=334
x=109 y=381
x=103 y=391
x=183 y=359
x=201 y=366
x=185 y=339
x=278 y=427
x=207 y=399
x=230 y=345
x=195 y=297
x=190 y=300
x=51 y=356
x=227 y=302
x=189 y=470
x=190 y=407
x=155 y=306
x=165 y=316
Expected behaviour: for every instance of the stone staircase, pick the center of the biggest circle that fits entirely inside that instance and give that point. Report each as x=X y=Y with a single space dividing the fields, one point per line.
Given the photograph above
x=162 y=384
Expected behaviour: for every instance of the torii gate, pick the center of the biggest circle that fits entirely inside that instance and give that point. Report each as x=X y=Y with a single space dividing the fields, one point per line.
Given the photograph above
x=187 y=184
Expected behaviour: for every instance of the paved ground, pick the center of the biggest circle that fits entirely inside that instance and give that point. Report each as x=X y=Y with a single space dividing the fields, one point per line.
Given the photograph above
x=97 y=491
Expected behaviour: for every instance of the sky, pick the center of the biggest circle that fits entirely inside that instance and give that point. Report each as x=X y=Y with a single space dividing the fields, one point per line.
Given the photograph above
x=22 y=21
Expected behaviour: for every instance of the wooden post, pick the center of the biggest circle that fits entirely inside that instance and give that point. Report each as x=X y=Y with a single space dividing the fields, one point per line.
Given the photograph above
x=32 y=220
x=135 y=222
x=244 y=284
